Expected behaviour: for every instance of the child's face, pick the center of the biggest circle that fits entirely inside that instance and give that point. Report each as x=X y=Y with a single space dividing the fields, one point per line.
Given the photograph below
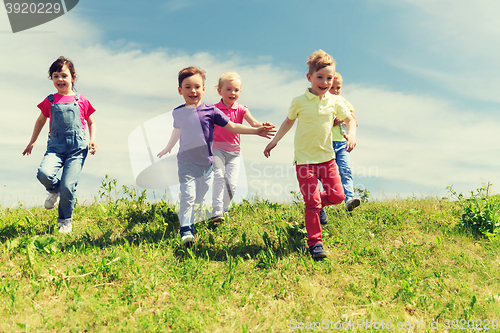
x=230 y=91
x=321 y=81
x=63 y=81
x=336 y=87
x=192 y=89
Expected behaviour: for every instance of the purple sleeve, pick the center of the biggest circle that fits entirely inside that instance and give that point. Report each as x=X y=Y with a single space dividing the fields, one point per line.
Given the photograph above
x=220 y=118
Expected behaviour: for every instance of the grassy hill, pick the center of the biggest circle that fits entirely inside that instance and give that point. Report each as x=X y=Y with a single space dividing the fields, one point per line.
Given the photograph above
x=413 y=264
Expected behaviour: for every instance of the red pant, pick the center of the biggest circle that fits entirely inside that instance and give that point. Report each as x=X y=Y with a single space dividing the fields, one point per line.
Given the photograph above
x=333 y=194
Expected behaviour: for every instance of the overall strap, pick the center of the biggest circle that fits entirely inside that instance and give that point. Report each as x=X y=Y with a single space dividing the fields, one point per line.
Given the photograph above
x=51 y=98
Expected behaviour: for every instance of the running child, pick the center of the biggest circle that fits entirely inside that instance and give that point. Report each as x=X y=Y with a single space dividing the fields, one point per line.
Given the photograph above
x=194 y=123
x=67 y=147
x=314 y=156
x=226 y=147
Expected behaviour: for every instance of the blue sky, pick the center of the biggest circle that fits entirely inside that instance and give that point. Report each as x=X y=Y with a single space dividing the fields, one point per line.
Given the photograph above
x=422 y=76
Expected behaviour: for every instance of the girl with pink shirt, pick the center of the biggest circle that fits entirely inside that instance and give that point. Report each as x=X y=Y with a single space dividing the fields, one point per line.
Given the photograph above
x=226 y=145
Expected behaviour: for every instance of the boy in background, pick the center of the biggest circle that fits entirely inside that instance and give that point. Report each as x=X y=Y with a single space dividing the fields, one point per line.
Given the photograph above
x=342 y=156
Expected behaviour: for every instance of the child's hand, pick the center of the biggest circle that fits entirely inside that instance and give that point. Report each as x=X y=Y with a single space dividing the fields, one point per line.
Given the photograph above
x=164 y=152
x=92 y=147
x=269 y=147
x=28 y=149
x=337 y=121
x=268 y=123
x=266 y=131
x=351 y=142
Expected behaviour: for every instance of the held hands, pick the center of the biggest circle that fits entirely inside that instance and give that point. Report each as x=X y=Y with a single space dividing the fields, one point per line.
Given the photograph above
x=266 y=130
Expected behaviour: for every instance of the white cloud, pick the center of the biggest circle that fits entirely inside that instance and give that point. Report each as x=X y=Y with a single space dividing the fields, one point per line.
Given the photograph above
x=405 y=138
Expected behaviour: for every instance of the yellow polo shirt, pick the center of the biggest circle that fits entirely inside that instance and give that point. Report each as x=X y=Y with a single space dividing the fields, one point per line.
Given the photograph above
x=313 y=136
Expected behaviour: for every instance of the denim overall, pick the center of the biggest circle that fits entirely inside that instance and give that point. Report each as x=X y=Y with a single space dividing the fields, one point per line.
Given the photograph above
x=67 y=149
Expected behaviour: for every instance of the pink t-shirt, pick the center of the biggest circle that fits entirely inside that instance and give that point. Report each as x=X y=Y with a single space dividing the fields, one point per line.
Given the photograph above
x=223 y=139
x=86 y=109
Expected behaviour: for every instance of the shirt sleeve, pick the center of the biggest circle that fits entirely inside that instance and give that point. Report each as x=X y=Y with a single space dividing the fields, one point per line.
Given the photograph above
x=293 y=111
x=220 y=118
x=44 y=107
x=341 y=110
x=87 y=108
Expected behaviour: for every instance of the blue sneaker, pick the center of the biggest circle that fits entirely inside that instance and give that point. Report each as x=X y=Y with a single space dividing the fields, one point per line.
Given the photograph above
x=317 y=251
x=323 y=218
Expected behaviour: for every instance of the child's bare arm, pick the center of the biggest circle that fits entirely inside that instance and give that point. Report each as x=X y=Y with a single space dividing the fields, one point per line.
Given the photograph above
x=337 y=121
x=284 y=128
x=251 y=120
x=351 y=136
x=174 y=137
x=40 y=122
x=263 y=130
x=93 y=133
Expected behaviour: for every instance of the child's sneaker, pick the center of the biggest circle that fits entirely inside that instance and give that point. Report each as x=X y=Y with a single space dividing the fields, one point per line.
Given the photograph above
x=187 y=239
x=51 y=200
x=317 y=251
x=65 y=227
x=323 y=218
x=218 y=219
x=352 y=203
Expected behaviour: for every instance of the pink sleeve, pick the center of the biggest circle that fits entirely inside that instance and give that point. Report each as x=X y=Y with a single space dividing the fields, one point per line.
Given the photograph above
x=241 y=113
x=44 y=107
x=87 y=108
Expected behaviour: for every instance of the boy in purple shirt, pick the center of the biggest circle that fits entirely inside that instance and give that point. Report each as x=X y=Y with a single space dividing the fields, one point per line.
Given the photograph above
x=193 y=125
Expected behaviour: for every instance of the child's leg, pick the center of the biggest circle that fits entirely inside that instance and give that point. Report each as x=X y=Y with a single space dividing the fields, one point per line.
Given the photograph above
x=203 y=182
x=219 y=182
x=232 y=173
x=47 y=172
x=333 y=193
x=187 y=180
x=307 y=175
x=67 y=187
x=343 y=160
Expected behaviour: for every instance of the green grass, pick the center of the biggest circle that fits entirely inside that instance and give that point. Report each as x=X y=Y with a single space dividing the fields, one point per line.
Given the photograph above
x=122 y=269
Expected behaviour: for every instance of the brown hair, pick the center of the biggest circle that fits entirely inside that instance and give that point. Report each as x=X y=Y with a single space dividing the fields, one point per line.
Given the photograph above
x=190 y=71
x=318 y=60
x=57 y=66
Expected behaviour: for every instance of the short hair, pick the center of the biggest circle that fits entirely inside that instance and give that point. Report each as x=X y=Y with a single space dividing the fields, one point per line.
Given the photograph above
x=57 y=66
x=228 y=76
x=318 y=60
x=338 y=77
x=190 y=71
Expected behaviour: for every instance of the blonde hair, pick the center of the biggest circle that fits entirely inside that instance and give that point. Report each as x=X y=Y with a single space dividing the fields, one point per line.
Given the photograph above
x=228 y=76
x=338 y=78
x=318 y=60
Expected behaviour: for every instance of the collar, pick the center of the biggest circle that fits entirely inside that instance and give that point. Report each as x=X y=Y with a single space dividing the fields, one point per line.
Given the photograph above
x=310 y=95
x=221 y=105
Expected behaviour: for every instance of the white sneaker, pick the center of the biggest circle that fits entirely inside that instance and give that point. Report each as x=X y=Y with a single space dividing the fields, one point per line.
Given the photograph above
x=352 y=203
x=187 y=239
x=65 y=228
x=51 y=200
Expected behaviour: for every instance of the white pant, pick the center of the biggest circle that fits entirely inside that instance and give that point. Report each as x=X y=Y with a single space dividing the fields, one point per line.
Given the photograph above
x=226 y=170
